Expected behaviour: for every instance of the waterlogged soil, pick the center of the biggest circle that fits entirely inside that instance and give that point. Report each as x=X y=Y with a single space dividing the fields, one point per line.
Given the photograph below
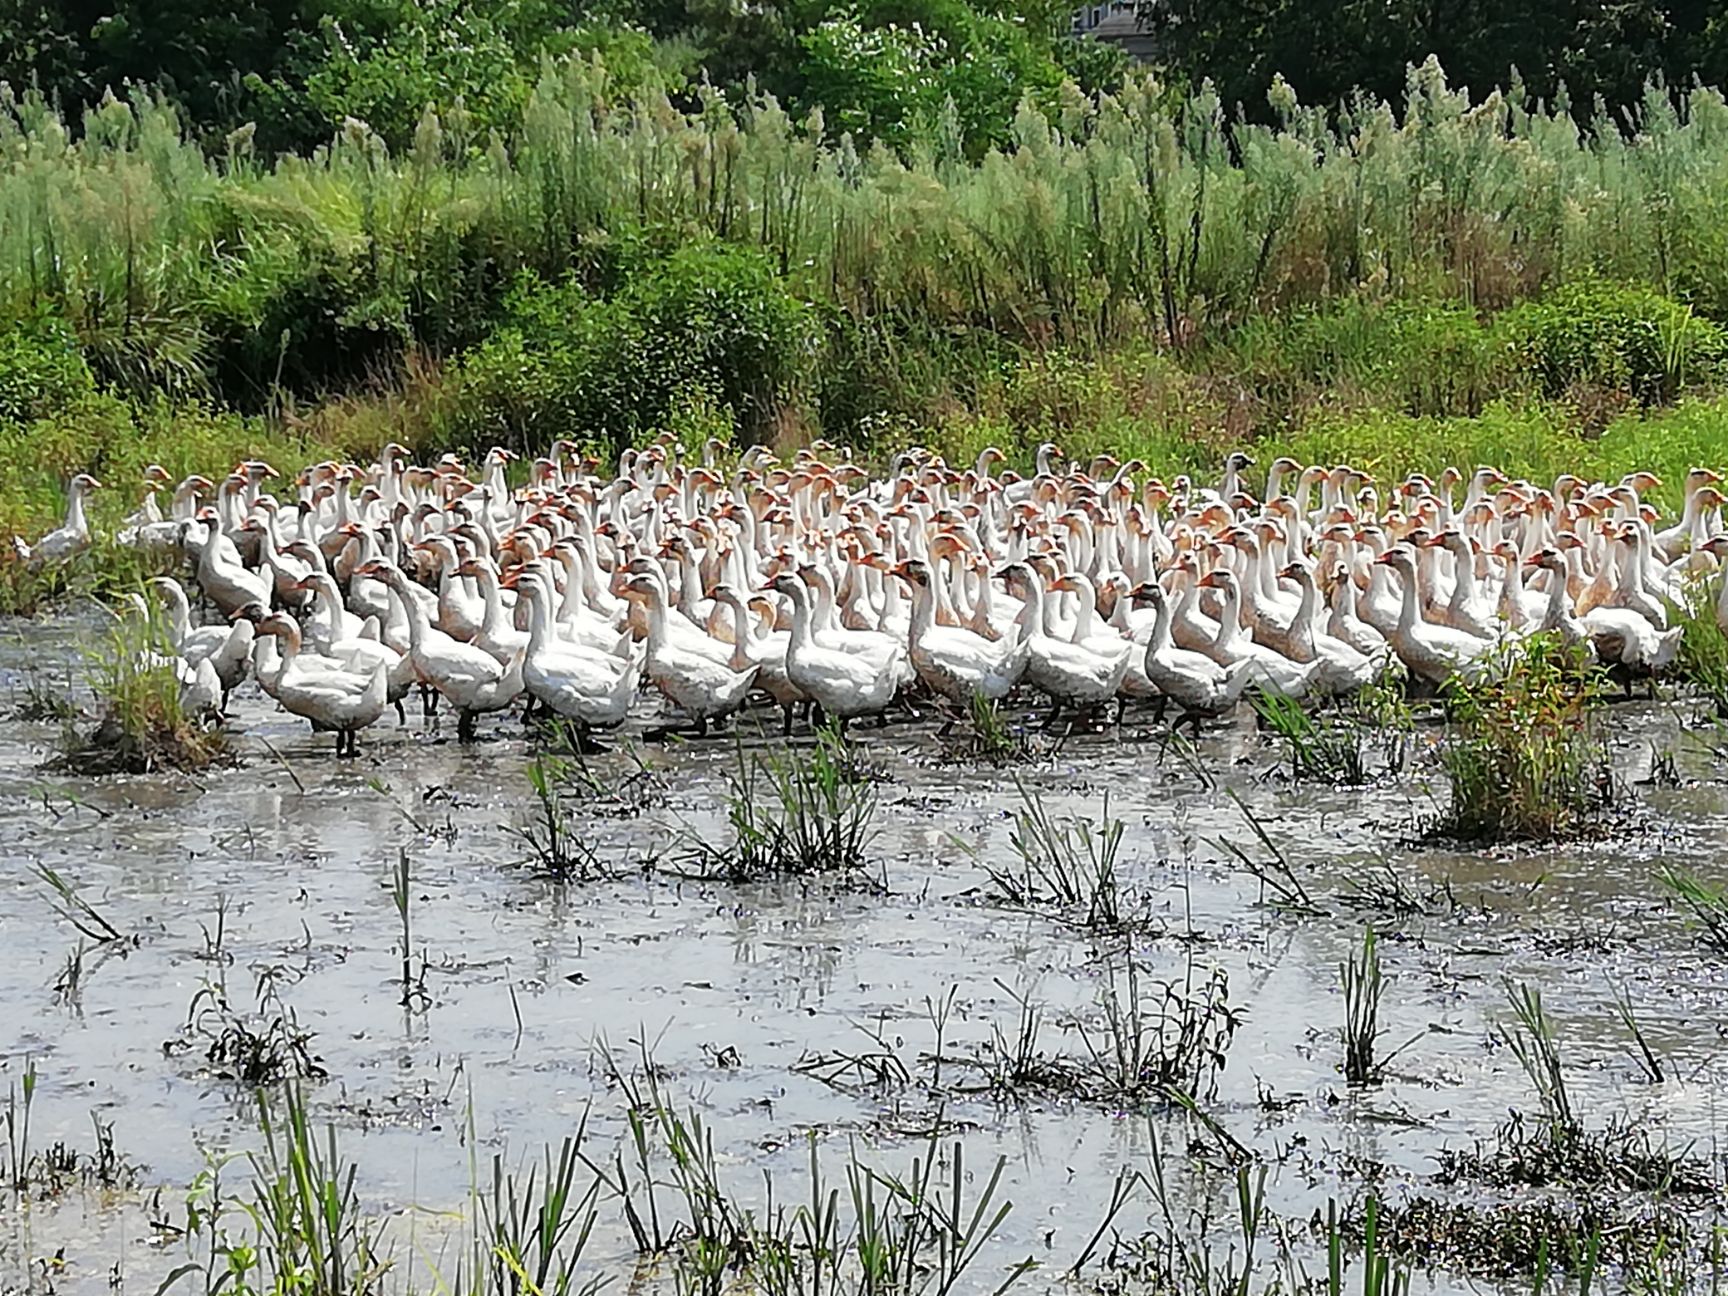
x=278 y=874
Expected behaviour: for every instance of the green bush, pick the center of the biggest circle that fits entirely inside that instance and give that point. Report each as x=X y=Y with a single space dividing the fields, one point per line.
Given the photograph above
x=708 y=323
x=1525 y=756
x=41 y=371
x=1616 y=336
x=1426 y=358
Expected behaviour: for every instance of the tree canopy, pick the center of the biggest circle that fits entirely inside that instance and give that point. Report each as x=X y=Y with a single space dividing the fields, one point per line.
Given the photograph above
x=1594 y=49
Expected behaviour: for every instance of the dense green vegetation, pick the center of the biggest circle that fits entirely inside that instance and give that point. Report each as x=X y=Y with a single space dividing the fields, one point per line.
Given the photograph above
x=320 y=226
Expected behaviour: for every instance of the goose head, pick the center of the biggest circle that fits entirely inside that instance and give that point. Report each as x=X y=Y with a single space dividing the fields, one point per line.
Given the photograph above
x=914 y=571
x=1547 y=559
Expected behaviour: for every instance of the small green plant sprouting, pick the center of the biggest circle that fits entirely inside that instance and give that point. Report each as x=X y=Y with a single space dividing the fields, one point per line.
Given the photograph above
x=401 y=885
x=1364 y=986
x=1708 y=905
x=1533 y=1042
x=796 y=813
x=557 y=848
x=39 y=700
x=18 y=1126
x=52 y=1170
x=1525 y=756
x=1645 y=1056
x=1067 y=864
x=1274 y=874
x=76 y=910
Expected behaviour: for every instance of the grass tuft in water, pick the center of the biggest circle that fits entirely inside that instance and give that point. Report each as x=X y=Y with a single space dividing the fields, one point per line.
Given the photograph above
x=1363 y=986
x=1525 y=756
x=262 y=1047
x=539 y=1225
x=796 y=812
x=312 y=1236
x=989 y=737
x=1346 y=744
x=42 y=1174
x=140 y=724
x=1067 y=865
x=1707 y=904
x=1533 y=1042
x=1152 y=1039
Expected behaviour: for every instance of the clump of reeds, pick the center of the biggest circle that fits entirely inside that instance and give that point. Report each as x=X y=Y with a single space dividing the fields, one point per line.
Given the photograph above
x=261 y=1047
x=1525 y=756
x=796 y=812
x=1364 y=987
x=141 y=723
x=986 y=735
x=1703 y=658
x=1065 y=865
x=311 y=1232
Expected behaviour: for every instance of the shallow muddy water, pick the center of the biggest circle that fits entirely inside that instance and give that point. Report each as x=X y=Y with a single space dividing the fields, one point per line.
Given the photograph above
x=282 y=869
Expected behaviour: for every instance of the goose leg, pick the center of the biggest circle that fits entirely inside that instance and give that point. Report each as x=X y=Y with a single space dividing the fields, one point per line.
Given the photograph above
x=701 y=726
x=465 y=726
x=786 y=722
x=1055 y=713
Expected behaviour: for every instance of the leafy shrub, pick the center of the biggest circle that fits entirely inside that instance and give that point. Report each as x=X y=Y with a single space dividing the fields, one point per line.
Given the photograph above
x=1428 y=358
x=1525 y=755
x=1616 y=336
x=41 y=371
x=707 y=322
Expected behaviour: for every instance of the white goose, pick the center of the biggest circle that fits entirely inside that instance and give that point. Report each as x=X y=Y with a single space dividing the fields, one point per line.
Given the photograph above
x=227 y=648
x=1196 y=683
x=591 y=688
x=338 y=701
x=845 y=685
x=69 y=539
x=695 y=683
x=1070 y=675
x=1431 y=652
x=763 y=649
x=957 y=663
x=471 y=678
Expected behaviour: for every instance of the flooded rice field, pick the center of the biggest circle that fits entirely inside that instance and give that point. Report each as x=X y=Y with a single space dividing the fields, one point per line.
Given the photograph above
x=851 y=1022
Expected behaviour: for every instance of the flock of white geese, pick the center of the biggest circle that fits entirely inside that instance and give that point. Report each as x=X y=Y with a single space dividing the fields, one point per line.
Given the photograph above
x=821 y=586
